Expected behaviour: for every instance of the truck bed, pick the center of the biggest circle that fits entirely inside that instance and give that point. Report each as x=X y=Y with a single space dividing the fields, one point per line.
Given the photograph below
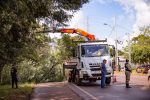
x=70 y=64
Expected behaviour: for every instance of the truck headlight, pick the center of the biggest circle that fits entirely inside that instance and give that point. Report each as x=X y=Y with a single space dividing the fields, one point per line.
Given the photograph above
x=84 y=72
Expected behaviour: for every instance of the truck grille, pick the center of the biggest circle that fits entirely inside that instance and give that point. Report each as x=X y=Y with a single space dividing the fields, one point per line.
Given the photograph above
x=95 y=69
x=94 y=64
x=96 y=75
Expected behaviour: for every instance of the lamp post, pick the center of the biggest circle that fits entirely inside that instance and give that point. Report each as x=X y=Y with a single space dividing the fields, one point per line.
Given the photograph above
x=116 y=41
x=129 y=47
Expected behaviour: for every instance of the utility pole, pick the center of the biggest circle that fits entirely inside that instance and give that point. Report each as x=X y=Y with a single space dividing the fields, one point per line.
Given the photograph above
x=116 y=42
x=129 y=47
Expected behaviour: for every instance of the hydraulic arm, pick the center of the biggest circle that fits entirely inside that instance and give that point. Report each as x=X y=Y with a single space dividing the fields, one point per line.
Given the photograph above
x=89 y=36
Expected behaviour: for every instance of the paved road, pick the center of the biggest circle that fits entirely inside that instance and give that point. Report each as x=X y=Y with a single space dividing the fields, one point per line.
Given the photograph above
x=116 y=91
x=54 y=91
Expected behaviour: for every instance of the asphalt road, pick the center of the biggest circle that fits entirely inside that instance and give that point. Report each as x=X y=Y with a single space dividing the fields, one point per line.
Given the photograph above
x=53 y=91
x=117 y=90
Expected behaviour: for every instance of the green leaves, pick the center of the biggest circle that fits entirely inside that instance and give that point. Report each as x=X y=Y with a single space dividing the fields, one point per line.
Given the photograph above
x=141 y=46
x=66 y=45
x=19 y=23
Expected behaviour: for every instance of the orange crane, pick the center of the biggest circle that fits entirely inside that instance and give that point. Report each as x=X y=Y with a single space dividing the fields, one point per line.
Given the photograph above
x=89 y=36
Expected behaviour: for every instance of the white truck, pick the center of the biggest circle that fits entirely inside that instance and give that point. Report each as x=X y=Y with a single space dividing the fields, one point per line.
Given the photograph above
x=86 y=64
x=88 y=56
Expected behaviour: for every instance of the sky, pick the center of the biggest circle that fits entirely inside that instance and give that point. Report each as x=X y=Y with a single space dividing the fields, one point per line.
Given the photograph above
x=127 y=14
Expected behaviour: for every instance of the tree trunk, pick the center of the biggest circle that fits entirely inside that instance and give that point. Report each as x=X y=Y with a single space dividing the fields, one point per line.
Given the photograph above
x=1 y=69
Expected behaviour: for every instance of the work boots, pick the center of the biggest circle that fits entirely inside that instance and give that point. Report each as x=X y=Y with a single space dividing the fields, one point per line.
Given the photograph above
x=127 y=86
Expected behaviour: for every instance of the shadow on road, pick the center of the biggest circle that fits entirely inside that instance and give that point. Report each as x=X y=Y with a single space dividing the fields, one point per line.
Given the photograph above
x=90 y=84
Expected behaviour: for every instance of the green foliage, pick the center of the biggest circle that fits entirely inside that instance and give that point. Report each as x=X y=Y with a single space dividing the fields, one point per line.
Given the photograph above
x=19 y=41
x=6 y=78
x=141 y=46
x=110 y=50
x=120 y=53
x=48 y=68
x=30 y=72
x=66 y=45
x=18 y=21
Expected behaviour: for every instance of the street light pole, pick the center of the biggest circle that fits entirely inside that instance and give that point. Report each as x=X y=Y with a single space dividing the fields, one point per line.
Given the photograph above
x=129 y=47
x=116 y=42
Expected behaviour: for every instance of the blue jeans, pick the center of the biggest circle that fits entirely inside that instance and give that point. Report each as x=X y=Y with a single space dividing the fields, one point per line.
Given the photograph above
x=103 y=79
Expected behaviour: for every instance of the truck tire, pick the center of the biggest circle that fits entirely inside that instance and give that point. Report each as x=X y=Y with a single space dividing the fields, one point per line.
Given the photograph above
x=108 y=80
x=69 y=80
x=78 y=80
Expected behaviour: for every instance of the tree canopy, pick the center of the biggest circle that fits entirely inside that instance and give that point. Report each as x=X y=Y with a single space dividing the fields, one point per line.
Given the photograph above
x=19 y=21
x=140 y=46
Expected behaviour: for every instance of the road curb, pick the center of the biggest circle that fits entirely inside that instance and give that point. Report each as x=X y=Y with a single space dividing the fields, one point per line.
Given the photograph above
x=83 y=94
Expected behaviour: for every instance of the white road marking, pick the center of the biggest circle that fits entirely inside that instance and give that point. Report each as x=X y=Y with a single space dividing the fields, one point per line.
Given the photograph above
x=93 y=97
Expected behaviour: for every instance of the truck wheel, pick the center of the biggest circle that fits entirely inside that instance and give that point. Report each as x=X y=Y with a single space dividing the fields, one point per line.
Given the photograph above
x=108 y=80
x=78 y=80
x=69 y=80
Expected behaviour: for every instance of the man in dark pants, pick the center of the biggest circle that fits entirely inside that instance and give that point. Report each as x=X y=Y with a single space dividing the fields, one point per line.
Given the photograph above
x=104 y=72
x=128 y=71
x=14 y=76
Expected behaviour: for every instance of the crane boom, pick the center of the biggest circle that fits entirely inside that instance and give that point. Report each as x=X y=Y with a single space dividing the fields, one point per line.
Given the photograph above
x=89 y=36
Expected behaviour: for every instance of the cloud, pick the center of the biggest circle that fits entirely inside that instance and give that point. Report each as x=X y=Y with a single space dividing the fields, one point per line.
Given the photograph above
x=79 y=21
x=101 y=1
x=141 y=8
x=138 y=10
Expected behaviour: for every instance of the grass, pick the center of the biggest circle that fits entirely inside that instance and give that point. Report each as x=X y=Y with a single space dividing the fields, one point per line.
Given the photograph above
x=22 y=93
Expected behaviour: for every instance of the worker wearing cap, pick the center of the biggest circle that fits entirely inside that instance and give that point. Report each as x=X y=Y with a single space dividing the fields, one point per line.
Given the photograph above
x=104 y=72
x=128 y=71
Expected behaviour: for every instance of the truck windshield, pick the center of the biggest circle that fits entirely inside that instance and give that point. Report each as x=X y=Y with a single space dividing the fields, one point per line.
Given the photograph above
x=94 y=50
